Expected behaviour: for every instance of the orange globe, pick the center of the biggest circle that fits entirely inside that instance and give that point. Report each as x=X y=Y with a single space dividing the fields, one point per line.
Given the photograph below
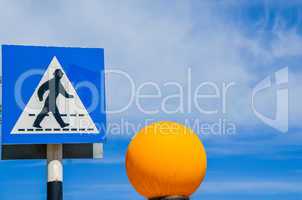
x=166 y=159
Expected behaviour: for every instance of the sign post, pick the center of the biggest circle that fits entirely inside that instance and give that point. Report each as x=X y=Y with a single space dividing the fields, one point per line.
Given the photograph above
x=53 y=106
x=54 y=172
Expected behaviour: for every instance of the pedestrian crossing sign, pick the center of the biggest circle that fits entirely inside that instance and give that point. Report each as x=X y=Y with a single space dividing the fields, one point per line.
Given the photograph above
x=53 y=95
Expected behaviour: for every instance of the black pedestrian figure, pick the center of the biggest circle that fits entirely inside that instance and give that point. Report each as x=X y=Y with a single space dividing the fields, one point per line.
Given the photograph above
x=55 y=88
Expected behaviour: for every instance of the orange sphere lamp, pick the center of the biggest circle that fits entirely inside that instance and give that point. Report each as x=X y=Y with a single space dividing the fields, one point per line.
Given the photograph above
x=166 y=160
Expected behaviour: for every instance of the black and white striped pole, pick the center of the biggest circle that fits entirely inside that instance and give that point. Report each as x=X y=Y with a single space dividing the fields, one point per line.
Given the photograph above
x=54 y=172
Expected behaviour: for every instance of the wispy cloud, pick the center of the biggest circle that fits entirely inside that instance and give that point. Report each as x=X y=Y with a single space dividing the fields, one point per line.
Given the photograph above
x=151 y=40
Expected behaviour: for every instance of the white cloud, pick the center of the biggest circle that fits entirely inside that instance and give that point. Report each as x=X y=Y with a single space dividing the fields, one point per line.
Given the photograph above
x=155 y=42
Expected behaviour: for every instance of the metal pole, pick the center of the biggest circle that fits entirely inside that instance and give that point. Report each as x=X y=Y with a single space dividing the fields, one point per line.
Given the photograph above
x=54 y=172
x=175 y=197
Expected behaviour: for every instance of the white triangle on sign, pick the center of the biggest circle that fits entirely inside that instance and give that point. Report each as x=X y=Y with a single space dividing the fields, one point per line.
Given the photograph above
x=72 y=111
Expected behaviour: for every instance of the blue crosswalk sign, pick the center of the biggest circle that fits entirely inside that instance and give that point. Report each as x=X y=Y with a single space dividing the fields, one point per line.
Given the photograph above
x=52 y=95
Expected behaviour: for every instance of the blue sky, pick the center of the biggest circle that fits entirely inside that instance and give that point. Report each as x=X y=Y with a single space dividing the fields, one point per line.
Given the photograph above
x=220 y=41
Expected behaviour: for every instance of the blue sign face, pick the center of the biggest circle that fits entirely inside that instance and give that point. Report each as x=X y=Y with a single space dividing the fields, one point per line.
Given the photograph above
x=52 y=95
